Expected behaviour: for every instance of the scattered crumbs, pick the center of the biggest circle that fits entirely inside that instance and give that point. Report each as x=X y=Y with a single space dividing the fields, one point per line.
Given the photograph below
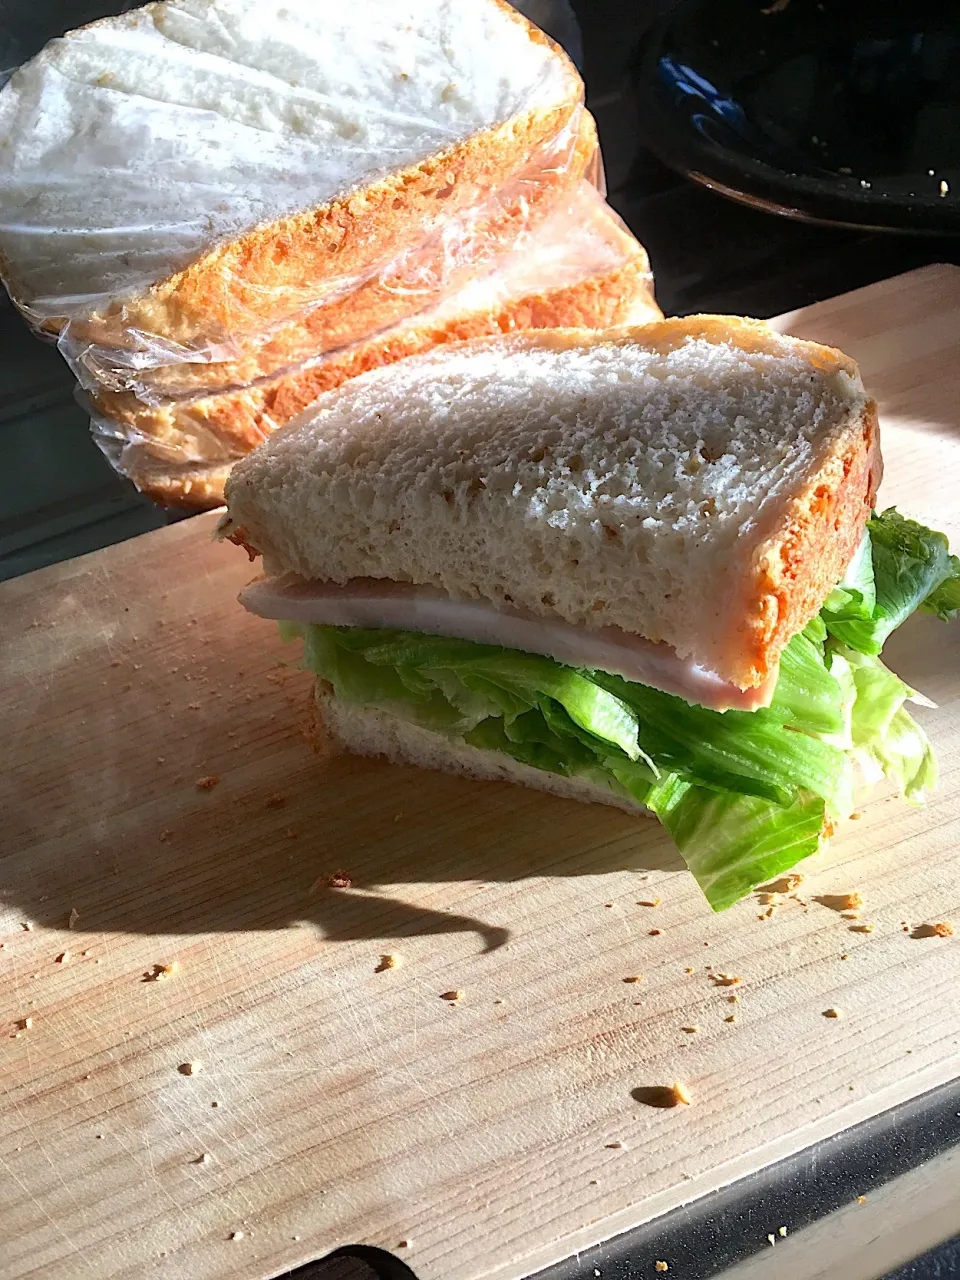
x=165 y=835
x=636 y=977
x=190 y=1069
x=691 y=1031
x=731 y=1017
x=649 y=902
x=208 y=782
x=26 y=926
x=275 y=802
x=862 y=928
x=771 y=1238
x=944 y=186
x=770 y=899
x=861 y=1199
x=840 y=901
x=781 y=1231
x=865 y=184
x=689 y=970
x=725 y=979
x=204 y=1158
x=236 y=1235
x=734 y=999
x=941 y=929
x=662 y=1266
x=452 y=997
x=161 y=971
x=63 y=957
x=831 y=1013
x=387 y=962
x=71 y=920
x=655 y=933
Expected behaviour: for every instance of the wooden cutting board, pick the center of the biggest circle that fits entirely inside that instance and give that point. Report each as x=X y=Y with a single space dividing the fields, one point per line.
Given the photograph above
x=161 y=806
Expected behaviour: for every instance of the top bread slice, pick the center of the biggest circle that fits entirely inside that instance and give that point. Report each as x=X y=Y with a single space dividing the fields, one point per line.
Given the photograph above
x=199 y=169
x=702 y=482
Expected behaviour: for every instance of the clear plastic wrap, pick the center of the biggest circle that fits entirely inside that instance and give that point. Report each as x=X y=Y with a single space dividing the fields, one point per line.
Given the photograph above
x=578 y=266
x=221 y=208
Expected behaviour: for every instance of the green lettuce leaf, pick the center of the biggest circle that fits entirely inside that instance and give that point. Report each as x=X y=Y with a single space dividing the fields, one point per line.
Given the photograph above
x=912 y=569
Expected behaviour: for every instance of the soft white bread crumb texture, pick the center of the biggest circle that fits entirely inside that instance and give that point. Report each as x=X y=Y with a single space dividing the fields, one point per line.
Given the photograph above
x=134 y=145
x=701 y=482
x=367 y=731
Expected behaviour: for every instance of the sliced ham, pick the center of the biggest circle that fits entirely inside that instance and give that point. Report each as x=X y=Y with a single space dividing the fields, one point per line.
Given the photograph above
x=371 y=602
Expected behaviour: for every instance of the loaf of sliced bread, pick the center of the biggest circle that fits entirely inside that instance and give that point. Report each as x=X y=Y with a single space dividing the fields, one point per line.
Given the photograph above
x=580 y=268
x=197 y=171
x=701 y=482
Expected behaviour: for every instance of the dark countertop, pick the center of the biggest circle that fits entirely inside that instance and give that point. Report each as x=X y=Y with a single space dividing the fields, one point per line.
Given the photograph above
x=59 y=498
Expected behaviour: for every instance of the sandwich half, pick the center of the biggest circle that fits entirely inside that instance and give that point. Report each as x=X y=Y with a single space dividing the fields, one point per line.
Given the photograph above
x=638 y=567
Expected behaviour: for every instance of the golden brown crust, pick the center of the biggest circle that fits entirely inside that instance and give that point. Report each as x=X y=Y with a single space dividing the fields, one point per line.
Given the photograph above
x=265 y=277
x=815 y=541
x=228 y=426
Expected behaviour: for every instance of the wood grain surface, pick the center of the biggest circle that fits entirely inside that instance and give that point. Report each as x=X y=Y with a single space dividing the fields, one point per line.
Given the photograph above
x=160 y=806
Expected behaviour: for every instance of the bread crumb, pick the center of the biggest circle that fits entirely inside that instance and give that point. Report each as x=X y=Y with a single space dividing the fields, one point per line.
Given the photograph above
x=725 y=979
x=165 y=835
x=275 y=802
x=944 y=186
x=941 y=929
x=208 y=782
x=26 y=926
x=636 y=977
x=236 y=1235
x=190 y=1069
x=451 y=996
x=63 y=957
x=203 y=1158
x=334 y=880
x=403 y=1244
x=861 y=1199
x=160 y=971
x=734 y=999
x=25 y=1023
x=831 y=1013
x=851 y=901
x=731 y=1017
x=662 y=1266
x=771 y=1238
x=786 y=884
x=71 y=920
x=655 y=933
x=649 y=902
x=689 y=969
x=690 y=1030
x=781 y=1231
x=613 y=1146
x=388 y=962
x=862 y=928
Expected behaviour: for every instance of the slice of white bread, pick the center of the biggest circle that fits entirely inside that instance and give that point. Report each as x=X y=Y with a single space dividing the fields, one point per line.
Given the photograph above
x=701 y=482
x=581 y=267
x=368 y=731
x=201 y=169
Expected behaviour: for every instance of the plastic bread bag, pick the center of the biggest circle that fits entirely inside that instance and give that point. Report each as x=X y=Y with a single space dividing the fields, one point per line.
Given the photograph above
x=578 y=267
x=181 y=182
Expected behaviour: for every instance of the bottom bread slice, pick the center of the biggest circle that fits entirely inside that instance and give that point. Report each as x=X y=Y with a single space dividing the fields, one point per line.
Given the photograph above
x=369 y=731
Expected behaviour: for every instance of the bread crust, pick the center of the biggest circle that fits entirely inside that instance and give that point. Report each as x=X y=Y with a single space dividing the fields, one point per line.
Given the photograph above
x=221 y=427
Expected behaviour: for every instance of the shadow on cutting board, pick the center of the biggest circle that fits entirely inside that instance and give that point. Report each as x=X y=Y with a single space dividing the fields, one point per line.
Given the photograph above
x=239 y=824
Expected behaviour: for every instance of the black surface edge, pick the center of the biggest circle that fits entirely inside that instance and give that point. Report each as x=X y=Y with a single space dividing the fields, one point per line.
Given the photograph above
x=712 y=1233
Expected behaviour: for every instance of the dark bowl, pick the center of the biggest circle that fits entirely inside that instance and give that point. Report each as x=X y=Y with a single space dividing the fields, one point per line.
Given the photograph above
x=836 y=111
